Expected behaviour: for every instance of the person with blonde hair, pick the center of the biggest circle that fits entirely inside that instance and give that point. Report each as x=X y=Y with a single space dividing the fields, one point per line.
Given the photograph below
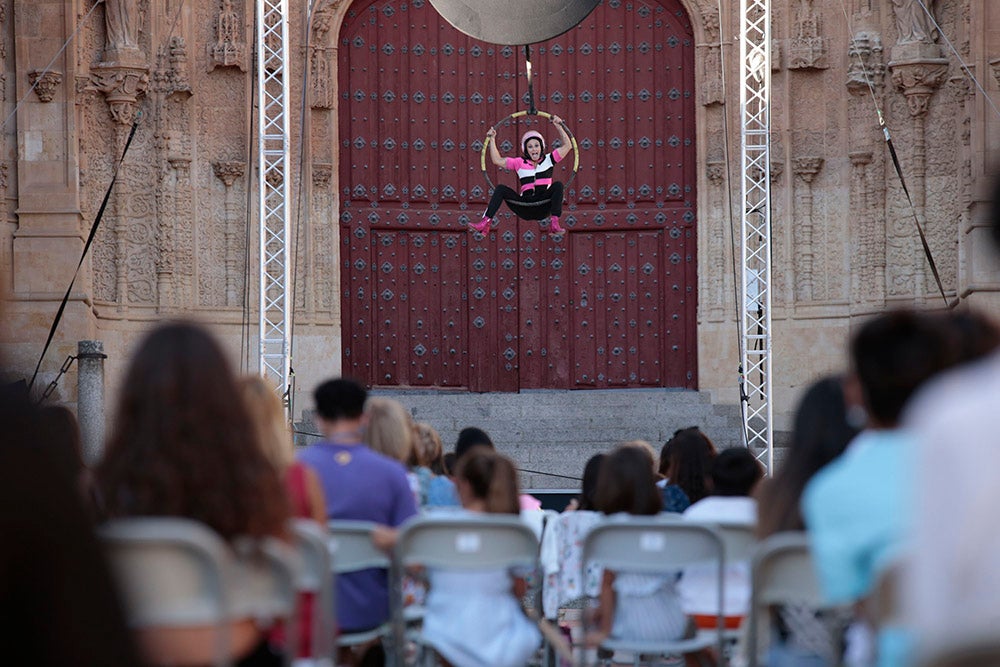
x=267 y=415
x=389 y=430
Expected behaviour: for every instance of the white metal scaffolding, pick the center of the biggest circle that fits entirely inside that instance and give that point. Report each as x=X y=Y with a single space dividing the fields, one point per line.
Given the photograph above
x=273 y=187
x=755 y=218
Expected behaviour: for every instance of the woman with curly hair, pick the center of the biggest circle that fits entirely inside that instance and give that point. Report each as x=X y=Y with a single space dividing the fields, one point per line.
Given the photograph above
x=184 y=445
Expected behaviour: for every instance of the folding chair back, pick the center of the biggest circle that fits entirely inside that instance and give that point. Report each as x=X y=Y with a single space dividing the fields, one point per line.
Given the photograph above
x=315 y=577
x=655 y=545
x=782 y=573
x=172 y=572
x=351 y=549
x=463 y=542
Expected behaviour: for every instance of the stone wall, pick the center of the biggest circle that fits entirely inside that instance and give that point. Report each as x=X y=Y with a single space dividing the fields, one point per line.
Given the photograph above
x=174 y=235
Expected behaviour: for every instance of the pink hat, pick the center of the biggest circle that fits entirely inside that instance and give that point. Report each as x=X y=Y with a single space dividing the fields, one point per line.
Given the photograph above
x=532 y=134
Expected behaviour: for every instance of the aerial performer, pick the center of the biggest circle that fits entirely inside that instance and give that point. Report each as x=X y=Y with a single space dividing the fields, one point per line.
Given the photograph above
x=538 y=195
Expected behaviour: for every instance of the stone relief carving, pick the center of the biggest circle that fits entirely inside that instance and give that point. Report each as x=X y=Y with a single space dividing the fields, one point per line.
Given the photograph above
x=918 y=81
x=320 y=58
x=45 y=83
x=865 y=63
x=122 y=88
x=171 y=77
x=807 y=50
x=711 y=87
x=229 y=49
x=995 y=68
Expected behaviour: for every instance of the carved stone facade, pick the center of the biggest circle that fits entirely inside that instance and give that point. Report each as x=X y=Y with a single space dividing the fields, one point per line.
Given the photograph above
x=174 y=240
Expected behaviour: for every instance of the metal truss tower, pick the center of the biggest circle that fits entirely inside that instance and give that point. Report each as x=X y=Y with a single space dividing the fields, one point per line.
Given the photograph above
x=273 y=188
x=755 y=218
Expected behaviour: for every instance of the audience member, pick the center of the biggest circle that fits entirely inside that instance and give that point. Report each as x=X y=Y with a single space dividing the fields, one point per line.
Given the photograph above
x=633 y=606
x=472 y=436
x=474 y=618
x=562 y=547
x=58 y=602
x=690 y=454
x=800 y=635
x=427 y=461
x=951 y=589
x=358 y=484
x=184 y=445
x=858 y=508
x=735 y=473
x=305 y=496
x=389 y=431
x=61 y=436
x=267 y=415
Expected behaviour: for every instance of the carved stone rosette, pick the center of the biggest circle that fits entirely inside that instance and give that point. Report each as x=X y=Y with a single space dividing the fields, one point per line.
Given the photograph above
x=122 y=86
x=45 y=83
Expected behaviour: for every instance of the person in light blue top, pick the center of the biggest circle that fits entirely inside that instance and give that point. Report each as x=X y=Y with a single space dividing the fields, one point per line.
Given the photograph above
x=857 y=509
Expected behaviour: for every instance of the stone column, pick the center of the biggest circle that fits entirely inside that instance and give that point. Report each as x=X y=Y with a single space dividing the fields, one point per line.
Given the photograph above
x=806 y=169
x=90 y=398
x=228 y=172
x=715 y=172
x=918 y=69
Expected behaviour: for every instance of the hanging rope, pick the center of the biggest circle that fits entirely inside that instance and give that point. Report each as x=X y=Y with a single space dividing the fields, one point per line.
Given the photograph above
x=86 y=248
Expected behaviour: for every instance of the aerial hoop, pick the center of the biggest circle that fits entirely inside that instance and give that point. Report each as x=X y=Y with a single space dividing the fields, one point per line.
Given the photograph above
x=514 y=116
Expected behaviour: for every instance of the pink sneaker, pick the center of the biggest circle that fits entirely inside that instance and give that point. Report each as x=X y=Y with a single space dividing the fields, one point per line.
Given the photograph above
x=482 y=226
x=554 y=227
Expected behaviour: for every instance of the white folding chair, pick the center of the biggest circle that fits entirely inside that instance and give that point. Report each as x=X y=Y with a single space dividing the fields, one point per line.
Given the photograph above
x=655 y=545
x=351 y=549
x=782 y=572
x=177 y=573
x=316 y=577
x=461 y=542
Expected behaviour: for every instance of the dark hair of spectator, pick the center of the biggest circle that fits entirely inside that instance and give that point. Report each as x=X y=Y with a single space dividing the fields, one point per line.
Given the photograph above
x=591 y=472
x=690 y=455
x=470 y=437
x=976 y=334
x=448 y=464
x=184 y=444
x=820 y=434
x=61 y=436
x=625 y=484
x=893 y=354
x=340 y=398
x=735 y=472
x=491 y=477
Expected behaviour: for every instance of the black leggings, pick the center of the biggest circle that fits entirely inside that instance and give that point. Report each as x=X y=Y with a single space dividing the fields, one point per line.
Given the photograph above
x=517 y=203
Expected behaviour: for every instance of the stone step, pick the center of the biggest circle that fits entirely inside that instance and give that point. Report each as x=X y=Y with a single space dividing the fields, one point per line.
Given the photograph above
x=551 y=434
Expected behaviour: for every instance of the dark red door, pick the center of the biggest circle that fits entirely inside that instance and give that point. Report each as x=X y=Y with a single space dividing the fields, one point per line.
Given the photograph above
x=425 y=303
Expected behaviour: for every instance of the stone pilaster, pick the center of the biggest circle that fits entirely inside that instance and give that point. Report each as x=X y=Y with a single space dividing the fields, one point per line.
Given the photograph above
x=228 y=172
x=806 y=169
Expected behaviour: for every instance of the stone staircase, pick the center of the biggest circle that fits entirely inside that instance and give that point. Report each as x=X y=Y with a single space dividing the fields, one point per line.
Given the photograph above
x=550 y=434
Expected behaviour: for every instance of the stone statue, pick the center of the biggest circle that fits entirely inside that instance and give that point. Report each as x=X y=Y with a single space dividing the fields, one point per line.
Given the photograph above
x=913 y=25
x=121 y=20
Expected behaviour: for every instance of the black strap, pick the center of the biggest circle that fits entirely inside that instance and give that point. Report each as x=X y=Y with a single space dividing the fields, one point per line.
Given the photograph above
x=532 y=111
x=86 y=248
x=913 y=211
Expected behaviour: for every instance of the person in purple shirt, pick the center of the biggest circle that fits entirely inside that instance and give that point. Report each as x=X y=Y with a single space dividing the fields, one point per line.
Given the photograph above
x=358 y=484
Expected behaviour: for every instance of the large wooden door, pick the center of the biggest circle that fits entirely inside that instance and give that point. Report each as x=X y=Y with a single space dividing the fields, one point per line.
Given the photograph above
x=426 y=303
